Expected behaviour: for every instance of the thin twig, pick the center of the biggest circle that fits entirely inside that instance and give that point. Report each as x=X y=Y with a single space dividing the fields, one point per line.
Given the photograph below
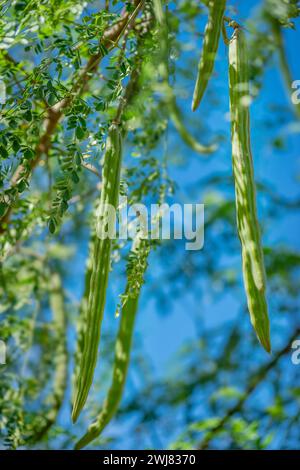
x=253 y=384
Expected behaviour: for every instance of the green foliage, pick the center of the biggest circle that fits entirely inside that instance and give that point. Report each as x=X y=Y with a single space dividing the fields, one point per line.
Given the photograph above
x=85 y=90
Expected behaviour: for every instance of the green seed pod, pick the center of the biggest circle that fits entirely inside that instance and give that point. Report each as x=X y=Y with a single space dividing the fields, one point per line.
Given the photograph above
x=283 y=63
x=83 y=313
x=186 y=136
x=99 y=273
x=59 y=384
x=135 y=272
x=209 y=50
x=245 y=193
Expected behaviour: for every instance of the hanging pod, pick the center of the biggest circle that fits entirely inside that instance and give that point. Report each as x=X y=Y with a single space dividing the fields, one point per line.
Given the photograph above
x=212 y=33
x=170 y=99
x=245 y=193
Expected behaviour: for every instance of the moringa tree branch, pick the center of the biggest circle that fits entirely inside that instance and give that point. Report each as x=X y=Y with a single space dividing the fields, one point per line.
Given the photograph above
x=253 y=384
x=109 y=40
